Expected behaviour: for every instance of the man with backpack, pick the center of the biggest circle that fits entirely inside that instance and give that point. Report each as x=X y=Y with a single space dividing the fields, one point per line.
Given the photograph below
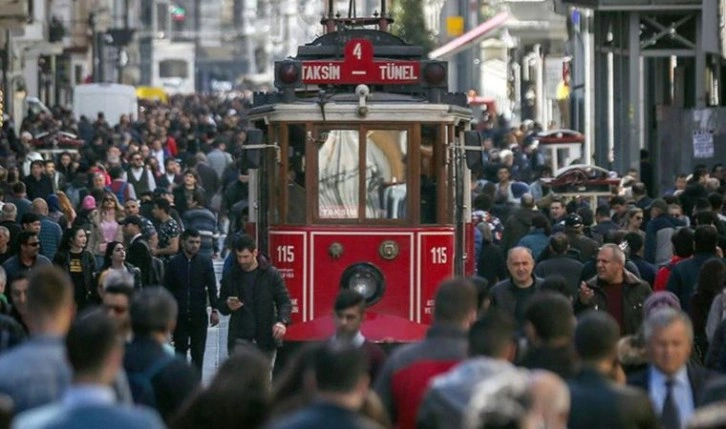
x=120 y=186
x=157 y=378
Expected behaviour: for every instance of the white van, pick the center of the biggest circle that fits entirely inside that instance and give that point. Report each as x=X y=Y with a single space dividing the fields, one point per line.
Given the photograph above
x=112 y=99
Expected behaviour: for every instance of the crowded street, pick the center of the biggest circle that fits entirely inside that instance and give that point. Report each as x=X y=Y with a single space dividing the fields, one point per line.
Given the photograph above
x=409 y=214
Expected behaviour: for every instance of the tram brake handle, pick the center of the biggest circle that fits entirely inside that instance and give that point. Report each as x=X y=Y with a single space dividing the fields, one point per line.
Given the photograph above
x=363 y=92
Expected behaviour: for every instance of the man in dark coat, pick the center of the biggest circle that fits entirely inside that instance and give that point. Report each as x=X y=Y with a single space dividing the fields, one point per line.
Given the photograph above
x=615 y=290
x=341 y=382
x=560 y=263
x=37 y=184
x=675 y=388
x=173 y=381
x=190 y=277
x=684 y=276
x=254 y=293
x=519 y=223
x=513 y=294
x=139 y=251
x=597 y=402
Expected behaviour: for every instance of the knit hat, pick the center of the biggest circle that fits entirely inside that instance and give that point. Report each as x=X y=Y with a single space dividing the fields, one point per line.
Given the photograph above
x=661 y=299
x=89 y=203
x=53 y=203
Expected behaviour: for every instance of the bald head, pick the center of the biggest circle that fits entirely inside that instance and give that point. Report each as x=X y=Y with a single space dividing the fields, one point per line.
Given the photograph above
x=527 y=201
x=520 y=264
x=9 y=212
x=550 y=399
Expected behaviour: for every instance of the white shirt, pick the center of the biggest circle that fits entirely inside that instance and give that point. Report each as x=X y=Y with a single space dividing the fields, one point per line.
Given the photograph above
x=357 y=340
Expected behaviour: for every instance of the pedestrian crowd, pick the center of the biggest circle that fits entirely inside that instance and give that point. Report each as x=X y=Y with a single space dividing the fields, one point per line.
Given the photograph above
x=576 y=319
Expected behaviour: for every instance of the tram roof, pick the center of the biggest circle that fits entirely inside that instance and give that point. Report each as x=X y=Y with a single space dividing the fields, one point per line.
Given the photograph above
x=309 y=111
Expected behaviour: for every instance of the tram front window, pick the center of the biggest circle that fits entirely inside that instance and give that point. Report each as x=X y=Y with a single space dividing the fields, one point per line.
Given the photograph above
x=338 y=175
x=386 y=152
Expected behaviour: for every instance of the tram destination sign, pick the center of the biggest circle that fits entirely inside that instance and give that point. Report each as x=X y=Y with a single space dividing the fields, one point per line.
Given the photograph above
x=359 y=66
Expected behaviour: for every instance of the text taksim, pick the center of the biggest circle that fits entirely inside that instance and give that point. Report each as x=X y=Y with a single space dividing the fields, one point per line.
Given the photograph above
x=321 y=72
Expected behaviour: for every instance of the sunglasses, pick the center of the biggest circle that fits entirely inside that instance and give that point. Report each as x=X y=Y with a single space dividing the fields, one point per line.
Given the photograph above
x=34 y=244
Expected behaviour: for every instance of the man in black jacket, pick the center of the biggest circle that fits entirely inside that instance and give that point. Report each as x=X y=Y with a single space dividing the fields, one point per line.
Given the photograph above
x=190 y=277
x=513 y=294
x=615 y=290
x=254 y=293
x=597 y=402
x=139 y=251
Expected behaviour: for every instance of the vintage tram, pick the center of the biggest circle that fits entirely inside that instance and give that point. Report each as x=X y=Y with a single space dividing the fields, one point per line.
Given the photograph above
x=360 y=179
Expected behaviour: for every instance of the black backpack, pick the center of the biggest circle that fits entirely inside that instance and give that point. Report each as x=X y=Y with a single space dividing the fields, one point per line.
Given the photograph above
x=142 y=389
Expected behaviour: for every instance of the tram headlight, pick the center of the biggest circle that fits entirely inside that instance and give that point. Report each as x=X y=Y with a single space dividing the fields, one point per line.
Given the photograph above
x=366 y=279
x=434 y=73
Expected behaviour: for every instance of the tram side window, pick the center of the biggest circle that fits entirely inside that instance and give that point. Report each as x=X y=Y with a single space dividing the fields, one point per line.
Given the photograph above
x=429 y=134
x=296 y=198
x=386 y=187
x=338 y=174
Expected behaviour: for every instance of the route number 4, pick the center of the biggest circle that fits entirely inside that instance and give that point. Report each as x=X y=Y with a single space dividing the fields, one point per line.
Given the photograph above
x=286 y=254
x=438 y=255
x=358 y=51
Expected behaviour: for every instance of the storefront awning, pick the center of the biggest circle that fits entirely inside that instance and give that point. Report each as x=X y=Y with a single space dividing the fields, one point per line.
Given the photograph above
x=466 y=40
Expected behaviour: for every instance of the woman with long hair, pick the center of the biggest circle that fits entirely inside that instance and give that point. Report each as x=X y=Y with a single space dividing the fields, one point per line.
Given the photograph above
x=634 y=219
x=114 y=259
x=106 y=227
x=79 y=263
x=66 y=207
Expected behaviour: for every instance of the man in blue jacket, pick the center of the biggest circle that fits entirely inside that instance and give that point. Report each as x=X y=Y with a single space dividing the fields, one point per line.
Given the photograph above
x=95 y=354
x=190 y=278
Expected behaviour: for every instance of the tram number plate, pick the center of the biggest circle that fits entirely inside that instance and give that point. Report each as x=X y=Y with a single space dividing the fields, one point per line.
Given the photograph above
x=358 y=66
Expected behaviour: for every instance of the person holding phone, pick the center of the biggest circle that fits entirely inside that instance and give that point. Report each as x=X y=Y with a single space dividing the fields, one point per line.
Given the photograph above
x=255 y=296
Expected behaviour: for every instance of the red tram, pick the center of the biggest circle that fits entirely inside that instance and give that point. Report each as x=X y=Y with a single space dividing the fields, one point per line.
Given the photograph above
x=360 y=179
